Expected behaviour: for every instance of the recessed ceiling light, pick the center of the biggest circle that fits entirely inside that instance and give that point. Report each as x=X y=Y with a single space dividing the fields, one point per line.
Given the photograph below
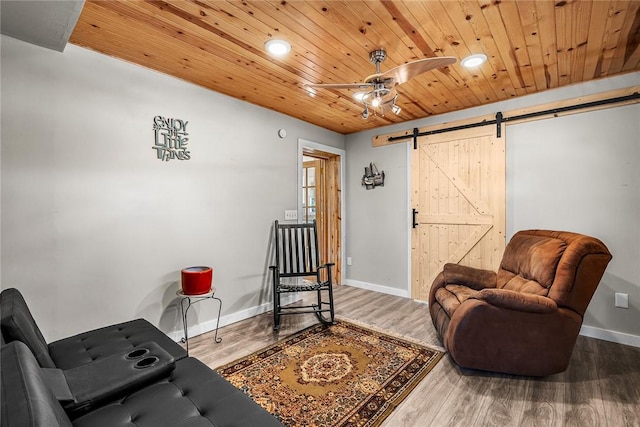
x=277 y=47
x=474 y=60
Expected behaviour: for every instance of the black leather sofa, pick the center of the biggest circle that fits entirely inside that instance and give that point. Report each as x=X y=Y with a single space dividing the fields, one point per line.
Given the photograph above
x=114 y=376
x=18 y=324
x=192 y=395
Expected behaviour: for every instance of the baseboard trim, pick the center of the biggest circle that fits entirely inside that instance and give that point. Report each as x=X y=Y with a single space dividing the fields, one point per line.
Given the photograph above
x=613 y=336
x=377 y=288
x=210 y=325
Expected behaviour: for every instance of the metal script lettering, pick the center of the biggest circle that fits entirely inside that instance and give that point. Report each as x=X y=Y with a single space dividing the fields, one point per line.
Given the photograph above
x=171 y=138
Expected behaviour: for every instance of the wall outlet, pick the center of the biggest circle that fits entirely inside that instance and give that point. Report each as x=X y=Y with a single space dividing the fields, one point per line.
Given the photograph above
x=348 y=260
x=290 y=214
x=622 y=300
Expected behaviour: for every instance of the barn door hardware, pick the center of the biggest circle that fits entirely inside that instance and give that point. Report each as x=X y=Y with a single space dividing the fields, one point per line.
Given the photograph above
x=414 y=217
x=501 y=119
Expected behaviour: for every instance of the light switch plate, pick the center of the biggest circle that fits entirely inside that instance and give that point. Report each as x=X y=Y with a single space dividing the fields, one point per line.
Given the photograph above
x=290 y=214
x=622 y=300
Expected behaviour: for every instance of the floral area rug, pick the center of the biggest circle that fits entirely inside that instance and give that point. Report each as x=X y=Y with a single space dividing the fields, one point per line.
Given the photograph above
x=340 y=375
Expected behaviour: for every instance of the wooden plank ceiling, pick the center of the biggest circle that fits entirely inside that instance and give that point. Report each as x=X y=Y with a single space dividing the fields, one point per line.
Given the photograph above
x=532 y=46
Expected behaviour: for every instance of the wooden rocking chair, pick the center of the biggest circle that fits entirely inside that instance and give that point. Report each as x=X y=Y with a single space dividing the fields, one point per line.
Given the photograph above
x=298 y=262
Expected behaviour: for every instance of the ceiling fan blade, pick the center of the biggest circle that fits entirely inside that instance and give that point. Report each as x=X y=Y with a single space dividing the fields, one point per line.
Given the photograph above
x=405 y=72
x=340 y=86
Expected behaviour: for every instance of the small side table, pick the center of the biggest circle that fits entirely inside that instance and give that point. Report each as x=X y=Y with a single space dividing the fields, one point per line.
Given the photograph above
x=192 y=299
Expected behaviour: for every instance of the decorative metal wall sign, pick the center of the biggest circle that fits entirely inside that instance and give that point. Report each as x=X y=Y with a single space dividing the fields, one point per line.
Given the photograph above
x=372 y=177
x=171 y=138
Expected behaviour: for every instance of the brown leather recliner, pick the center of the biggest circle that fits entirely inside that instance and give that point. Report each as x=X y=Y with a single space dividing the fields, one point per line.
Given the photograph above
x=525 y=318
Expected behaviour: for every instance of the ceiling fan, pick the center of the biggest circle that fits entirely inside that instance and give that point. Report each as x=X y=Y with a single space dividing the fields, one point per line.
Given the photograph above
x=377 y=92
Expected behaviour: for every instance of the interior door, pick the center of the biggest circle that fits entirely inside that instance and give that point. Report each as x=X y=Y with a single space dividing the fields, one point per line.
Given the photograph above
x=321 y=194
x=458 y=195
x=313 y=198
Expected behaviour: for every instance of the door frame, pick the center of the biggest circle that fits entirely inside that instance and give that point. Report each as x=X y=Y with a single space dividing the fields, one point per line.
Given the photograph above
x=409 y=150
x=310 y=145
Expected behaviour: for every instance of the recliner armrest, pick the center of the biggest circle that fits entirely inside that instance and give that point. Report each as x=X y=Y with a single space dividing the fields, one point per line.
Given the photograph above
x=517 y=300
x=474 y=278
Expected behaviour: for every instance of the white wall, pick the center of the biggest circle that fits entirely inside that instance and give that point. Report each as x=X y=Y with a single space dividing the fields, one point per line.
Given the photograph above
x=581 y=173
x=95 y=229
x=377 y=221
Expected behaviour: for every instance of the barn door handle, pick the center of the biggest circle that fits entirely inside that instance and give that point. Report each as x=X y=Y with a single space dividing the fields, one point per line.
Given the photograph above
x=414 y=215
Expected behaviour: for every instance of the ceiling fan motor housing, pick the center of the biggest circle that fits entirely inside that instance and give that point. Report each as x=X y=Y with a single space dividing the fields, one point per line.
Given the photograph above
x=377 y=56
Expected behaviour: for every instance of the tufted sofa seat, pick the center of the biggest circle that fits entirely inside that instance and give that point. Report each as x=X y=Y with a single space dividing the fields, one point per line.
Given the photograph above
x=18 y=324
x=525 y=318
x=192 y=395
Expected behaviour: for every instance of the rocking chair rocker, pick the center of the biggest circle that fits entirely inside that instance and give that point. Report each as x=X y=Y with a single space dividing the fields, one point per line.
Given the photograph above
x=298 y=262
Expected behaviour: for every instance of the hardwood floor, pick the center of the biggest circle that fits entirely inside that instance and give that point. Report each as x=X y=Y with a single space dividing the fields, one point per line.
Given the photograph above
x=600 y=388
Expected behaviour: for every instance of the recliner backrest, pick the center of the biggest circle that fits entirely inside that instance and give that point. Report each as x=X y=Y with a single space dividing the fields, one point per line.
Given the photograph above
x=18 y=325
x=26 y=400
x=551 y=264
x=529 y=263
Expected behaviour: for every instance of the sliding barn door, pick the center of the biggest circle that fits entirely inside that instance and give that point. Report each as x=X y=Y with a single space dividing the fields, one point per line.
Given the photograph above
x=458 y=191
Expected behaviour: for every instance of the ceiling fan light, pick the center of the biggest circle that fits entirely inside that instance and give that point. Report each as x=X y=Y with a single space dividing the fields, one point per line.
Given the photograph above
x=359 y=96
x=376 y=101
x=474 y=60
x=277 y=47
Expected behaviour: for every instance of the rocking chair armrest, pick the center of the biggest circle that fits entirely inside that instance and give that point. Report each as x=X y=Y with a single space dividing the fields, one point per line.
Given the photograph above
x=327 y=265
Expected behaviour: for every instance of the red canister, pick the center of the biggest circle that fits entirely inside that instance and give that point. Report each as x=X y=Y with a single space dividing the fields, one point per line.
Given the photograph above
x=196 y=280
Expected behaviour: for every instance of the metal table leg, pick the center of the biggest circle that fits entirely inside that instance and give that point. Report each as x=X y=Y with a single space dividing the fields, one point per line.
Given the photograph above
x=215 y=338
x=185 y=311
x=185 y=338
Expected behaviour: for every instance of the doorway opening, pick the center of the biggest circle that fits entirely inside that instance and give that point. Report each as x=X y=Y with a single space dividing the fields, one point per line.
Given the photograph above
x=320 y=199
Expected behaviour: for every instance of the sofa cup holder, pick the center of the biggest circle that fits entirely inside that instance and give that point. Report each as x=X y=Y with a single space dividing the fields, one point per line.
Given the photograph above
x=147 y=362
x=137 y=353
